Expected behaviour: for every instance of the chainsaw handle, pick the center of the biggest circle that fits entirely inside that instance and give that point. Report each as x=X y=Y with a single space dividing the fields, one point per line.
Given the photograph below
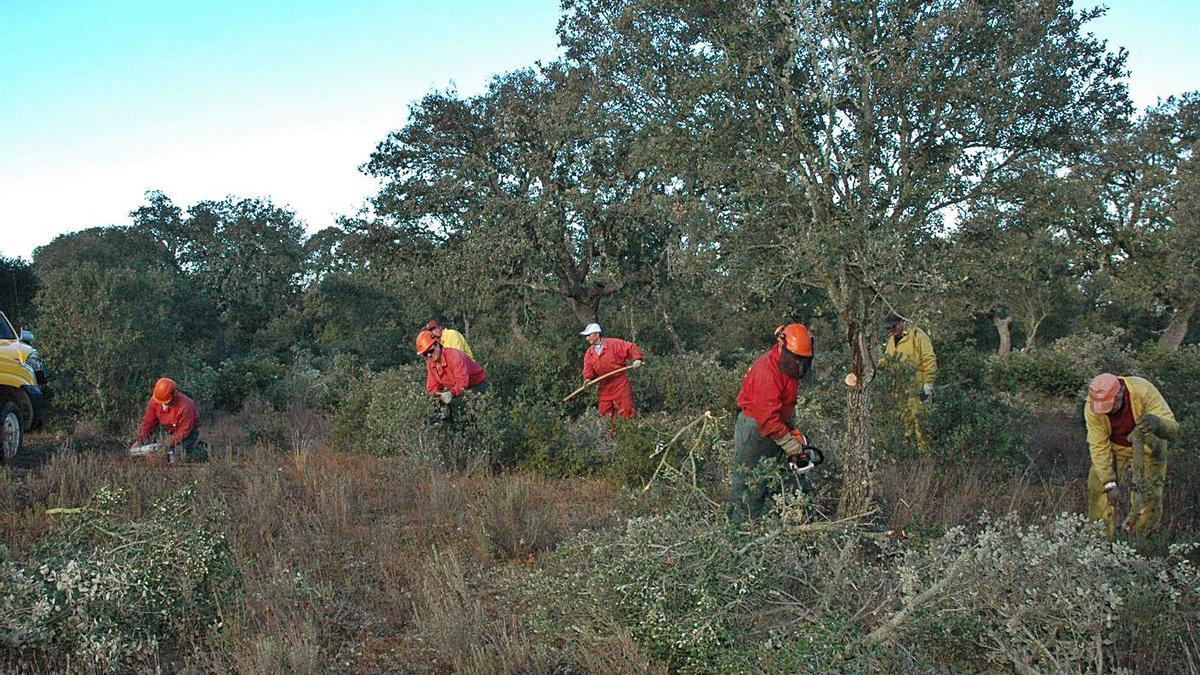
x=797 y=469
x=820 y=456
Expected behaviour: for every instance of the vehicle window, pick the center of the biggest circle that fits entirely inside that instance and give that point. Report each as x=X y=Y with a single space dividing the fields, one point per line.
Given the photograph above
x=6 y=329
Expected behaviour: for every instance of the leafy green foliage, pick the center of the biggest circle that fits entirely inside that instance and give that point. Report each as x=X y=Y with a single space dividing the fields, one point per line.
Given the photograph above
x=18 y=285
x=110 y=593
x=239 y=377
x=697 y=597
x=109 y=302
x=1042 y=373
x=682 y=383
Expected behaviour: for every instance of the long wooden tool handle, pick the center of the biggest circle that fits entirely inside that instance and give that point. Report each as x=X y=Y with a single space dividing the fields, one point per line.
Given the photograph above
x=591 y=382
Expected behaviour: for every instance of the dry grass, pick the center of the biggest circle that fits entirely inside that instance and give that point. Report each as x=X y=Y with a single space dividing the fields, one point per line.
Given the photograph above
x=347 y=561
x=355 y=563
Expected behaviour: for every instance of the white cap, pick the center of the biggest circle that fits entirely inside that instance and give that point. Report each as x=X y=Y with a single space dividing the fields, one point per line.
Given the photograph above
x=591 y=328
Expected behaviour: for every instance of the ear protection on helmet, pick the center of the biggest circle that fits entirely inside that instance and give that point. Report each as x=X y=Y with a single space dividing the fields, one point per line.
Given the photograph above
x=796 y=339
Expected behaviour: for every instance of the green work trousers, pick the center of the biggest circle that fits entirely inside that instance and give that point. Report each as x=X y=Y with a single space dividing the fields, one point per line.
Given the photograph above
x=757 y=472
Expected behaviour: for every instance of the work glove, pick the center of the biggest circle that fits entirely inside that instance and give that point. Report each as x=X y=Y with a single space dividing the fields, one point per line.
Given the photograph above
x=793 y=447
x=926 y=392
x=1149 y=424
x=1111 y=491
x=637 y=363
x=1156 y=446
x=445 y=397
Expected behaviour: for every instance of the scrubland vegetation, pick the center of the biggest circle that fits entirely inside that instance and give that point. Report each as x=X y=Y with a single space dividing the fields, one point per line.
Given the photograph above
x=335 y=537
x=691 y=175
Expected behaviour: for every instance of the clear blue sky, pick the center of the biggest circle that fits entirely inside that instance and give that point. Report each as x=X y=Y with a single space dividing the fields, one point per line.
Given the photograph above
x=103 y=100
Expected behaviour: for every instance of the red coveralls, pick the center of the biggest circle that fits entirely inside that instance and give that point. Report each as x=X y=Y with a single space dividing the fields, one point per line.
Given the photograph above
x=616 y=392
x=454 y=371
x=180 y=418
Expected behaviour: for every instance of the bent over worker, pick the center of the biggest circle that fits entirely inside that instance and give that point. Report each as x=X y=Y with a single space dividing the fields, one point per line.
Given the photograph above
x=764 y=433
x=449 y=372
x=603 y=356
x=449 y=338
x=1129 y=426
x=176 y=413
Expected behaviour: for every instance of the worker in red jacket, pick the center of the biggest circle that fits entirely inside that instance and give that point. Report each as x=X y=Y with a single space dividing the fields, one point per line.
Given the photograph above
x=449 y=373
x=603 y=356
x=174 y=412
x=764 y=431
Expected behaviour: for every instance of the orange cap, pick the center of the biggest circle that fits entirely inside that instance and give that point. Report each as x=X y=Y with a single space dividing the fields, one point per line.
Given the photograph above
x=425 y=341
x=1102 y=393
x=164 y=390
x=795 y=338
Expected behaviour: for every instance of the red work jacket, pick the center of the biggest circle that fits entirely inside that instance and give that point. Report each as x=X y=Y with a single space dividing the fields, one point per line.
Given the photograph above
x=613 y=355
x=454 y=371
x=768 y=396
x=180 y=418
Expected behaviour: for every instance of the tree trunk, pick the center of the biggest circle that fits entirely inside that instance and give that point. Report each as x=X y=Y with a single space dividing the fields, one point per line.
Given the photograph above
x=670 y=327
x=1172 y=338
x=1031 y=332
x=1004 y=330
x=857 y=463
x=587 y=309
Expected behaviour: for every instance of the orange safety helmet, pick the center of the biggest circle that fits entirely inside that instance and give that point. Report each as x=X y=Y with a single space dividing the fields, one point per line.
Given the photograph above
x=425 y=341
x=795 y=338
x=164 y=390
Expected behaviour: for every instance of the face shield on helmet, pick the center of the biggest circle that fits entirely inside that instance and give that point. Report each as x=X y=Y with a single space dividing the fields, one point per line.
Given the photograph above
x=796 y=353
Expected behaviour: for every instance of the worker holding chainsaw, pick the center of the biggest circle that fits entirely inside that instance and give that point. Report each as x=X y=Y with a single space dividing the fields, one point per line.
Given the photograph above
x=449 y=372
x=449 y=338
x=1129 y=426
x=606 y=361
x=174 y=412
x=912 y=347
x=764 y=435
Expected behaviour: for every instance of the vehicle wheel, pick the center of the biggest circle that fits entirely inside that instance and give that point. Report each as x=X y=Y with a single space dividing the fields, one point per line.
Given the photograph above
x=10 y=435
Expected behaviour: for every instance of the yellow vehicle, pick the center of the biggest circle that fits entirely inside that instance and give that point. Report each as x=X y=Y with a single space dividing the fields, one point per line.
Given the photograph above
x=22 y=379
x=20 y=347
x=20 y=404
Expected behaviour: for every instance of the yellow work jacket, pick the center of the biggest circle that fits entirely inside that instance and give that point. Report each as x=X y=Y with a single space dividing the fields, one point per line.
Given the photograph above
x=455 y=340
x=1146 y=400
x=914 y=349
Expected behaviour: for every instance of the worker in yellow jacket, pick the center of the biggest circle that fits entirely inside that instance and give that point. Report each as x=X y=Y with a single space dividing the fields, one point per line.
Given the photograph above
x=912 y=347
x=1128 y=423
x=449 y=337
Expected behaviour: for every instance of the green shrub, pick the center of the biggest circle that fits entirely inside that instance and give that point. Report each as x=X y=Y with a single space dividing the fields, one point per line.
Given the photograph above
x=544 y=372
x=965 y=425
x=1039 y=373
x=105 y=592
x=687 y=383
x=1177 y=376
x=1096 y=352
x=384 y=413
x=242 y=376
x=534 y=435
x=639 y=446
x=1040 y=597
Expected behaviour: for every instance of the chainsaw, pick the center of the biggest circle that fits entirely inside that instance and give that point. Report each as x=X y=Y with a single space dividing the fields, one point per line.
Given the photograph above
x=813 y=458
x=809 y=451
